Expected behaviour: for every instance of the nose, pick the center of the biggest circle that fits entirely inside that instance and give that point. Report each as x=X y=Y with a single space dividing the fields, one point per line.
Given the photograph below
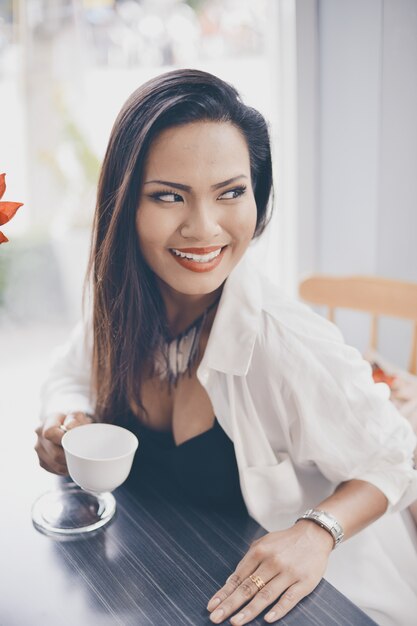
x=201 y=224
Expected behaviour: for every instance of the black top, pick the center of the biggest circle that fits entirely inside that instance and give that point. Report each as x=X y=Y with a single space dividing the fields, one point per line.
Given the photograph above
x=203 y=468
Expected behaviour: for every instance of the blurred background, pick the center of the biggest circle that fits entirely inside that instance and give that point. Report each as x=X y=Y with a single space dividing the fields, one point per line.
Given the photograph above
x=336 y=80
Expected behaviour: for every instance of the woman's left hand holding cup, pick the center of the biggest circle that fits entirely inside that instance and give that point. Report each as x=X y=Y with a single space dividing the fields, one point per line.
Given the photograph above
x=50 y=432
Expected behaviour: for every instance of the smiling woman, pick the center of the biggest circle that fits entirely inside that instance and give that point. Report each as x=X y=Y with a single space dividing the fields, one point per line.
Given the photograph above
x=239 y=396
x=208 y=226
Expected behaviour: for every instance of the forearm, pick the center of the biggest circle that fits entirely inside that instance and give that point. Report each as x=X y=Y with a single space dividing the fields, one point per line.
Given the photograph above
x=67 y=387
x=355 y=504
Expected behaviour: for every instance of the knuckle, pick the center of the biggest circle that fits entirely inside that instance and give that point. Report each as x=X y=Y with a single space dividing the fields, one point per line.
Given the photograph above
x=234 y=580
x=246 y=590
x=45 y=466
x=290 y=597
x=58 y=457
x=276 y=561
x=226 y=608
x=259 y=551
x=310 y=583
x=287 y=601
x=47 y=426
x=47 y=433
x=292 y=570
x=265 y=594
x=222 y=595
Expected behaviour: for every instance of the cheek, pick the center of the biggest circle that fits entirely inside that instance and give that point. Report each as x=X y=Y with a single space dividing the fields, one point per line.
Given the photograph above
x=152 y=231
x=243 y=223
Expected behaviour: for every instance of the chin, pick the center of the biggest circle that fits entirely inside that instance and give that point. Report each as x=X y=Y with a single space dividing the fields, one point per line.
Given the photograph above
x=200 y=287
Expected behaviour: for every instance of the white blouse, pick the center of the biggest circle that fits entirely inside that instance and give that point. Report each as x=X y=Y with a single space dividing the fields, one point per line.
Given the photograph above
x=304 y=414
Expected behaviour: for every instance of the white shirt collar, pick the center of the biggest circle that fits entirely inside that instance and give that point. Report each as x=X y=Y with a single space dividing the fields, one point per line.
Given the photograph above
x=235 y=327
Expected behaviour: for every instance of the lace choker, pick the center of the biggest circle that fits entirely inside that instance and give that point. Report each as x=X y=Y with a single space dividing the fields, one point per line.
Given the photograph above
x=177 y=356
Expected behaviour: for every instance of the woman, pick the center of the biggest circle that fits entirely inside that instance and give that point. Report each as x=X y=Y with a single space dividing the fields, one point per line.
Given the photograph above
x=188 y=342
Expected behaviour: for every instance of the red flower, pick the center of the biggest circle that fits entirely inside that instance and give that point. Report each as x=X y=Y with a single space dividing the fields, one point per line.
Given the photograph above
x=7 y=209
x=380 y=376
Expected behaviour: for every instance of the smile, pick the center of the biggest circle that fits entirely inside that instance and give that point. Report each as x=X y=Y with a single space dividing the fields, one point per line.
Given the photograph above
x=198 y=259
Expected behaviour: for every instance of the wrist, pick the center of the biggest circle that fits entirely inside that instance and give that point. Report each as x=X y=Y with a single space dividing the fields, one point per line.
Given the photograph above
x=325 y=522
x=316 y=534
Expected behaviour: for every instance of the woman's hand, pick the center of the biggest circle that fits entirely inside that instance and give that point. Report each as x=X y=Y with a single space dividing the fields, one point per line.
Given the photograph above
x=290 y=562
x=50 y=432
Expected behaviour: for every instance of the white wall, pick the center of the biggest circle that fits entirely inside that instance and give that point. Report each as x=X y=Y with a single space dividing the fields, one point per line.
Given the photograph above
x=366 y=149
x=397 y=201
x=349 y=79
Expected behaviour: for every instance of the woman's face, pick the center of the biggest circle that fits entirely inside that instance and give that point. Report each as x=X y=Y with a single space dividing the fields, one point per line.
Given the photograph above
x=197 y=211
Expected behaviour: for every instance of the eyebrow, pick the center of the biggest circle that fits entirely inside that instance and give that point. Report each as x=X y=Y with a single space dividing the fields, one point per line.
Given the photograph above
x=188 y=188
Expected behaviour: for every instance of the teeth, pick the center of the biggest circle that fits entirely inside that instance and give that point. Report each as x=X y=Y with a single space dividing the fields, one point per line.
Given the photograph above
x=200 y=258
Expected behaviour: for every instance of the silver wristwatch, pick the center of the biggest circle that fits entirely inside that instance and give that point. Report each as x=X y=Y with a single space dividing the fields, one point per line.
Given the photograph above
x=326 y=521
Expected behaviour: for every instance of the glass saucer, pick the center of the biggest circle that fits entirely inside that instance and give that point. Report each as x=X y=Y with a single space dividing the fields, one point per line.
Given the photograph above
x=69 y=510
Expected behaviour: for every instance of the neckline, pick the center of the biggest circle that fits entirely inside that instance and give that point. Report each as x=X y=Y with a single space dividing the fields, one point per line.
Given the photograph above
x=168 y=434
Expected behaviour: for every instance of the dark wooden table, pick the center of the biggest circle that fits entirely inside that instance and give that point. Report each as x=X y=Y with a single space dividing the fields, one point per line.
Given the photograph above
x=157 y=563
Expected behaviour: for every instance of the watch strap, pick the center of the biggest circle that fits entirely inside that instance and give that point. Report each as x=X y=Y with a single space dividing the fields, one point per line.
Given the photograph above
x=326 y=521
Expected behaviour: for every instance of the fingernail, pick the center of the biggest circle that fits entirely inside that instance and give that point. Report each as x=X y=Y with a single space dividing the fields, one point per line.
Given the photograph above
x=217 y=615
x=213 y=603
x=69 y=419
x=238 y=619
x=270 y=616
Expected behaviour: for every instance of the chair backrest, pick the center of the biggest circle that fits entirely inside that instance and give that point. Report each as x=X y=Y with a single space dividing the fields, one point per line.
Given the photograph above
x=374 y=295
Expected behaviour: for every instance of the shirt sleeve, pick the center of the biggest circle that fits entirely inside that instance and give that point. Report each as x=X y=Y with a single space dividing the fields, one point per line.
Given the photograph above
x=339 y=419
x=67 y=386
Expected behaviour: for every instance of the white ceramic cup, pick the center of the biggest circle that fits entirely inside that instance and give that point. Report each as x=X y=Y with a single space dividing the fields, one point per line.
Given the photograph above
x=99 y=456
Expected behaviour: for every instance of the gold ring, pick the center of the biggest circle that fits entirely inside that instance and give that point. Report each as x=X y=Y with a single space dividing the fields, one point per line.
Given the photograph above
x=258 y=581
x=63 y=428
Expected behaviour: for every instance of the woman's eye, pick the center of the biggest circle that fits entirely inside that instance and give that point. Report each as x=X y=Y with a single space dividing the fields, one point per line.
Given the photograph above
x=167 y=196
x=233 y=193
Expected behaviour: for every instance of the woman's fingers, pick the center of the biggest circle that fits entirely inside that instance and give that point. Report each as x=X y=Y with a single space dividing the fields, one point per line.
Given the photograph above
x=285 y=587
x=287 y=601
x=49 y=443
x=51 y=457
x=72 y=420
x=245 y=567
x=258 y=599
x=244 y=592
x=283 y=565
x=51 y=429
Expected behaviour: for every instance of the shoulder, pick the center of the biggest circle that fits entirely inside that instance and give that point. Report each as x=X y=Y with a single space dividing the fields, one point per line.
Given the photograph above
x=290 y=321
x=294 y=341
x=248 y=288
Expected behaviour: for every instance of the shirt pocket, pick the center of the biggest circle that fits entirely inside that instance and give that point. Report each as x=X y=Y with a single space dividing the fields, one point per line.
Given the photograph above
x=272 y=488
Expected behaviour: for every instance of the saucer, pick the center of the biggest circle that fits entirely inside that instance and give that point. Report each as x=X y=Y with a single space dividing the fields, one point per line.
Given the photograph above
x=70 y=510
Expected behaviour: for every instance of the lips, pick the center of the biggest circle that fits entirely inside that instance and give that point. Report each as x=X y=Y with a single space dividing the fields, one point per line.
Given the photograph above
x=202 y=260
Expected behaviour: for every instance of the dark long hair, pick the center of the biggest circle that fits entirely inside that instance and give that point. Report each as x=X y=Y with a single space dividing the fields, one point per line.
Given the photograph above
x=128 y=313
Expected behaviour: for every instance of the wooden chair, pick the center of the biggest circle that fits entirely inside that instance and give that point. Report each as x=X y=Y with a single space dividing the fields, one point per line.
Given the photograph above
x=374 y=295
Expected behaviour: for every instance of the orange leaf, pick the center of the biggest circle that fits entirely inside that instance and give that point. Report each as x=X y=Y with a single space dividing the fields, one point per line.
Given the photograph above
x=7 y=210
x=2 y=185
x=3 y=238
